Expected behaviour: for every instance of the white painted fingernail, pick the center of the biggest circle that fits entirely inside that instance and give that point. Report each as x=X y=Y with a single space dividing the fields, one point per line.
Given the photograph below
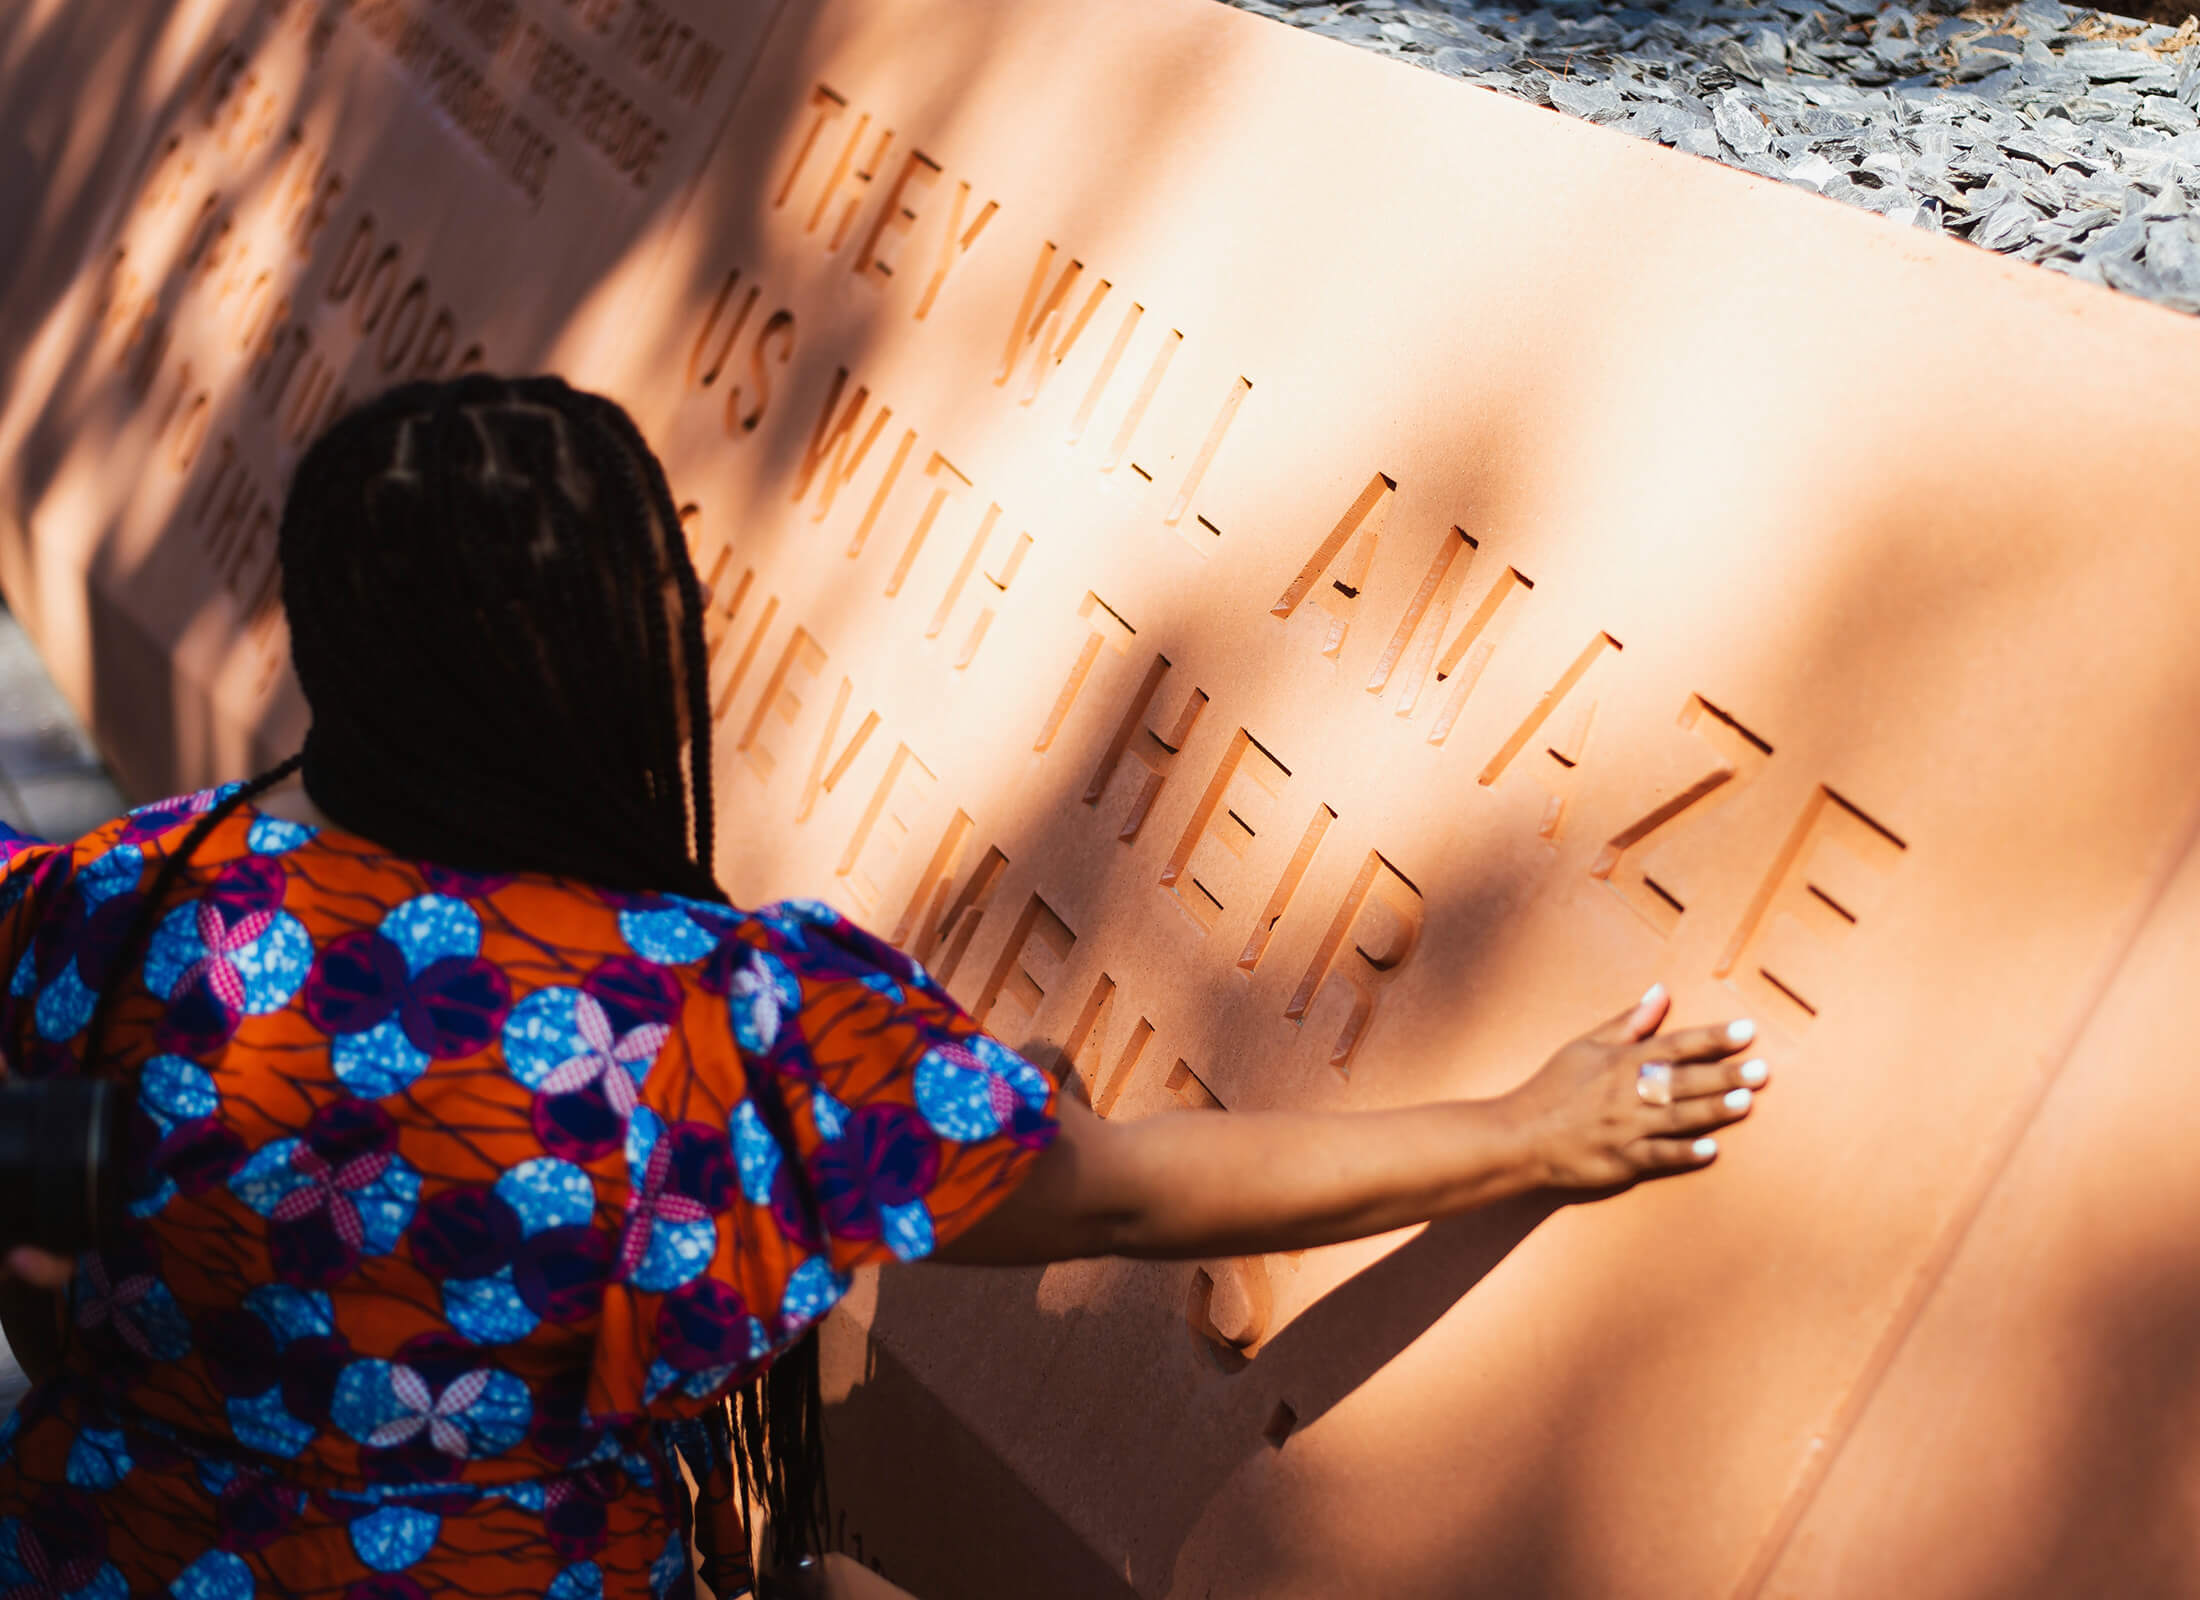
x=1738 y=1100
x=1741 y=1032
x=1652 y=995
x=1704 y=1149
x=1754 y=1073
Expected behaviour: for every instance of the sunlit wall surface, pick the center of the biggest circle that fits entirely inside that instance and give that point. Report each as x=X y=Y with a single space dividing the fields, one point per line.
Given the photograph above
x=1289 y=582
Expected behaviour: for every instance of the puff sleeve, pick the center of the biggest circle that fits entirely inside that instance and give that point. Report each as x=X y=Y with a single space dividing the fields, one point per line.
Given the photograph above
x=829 y=1107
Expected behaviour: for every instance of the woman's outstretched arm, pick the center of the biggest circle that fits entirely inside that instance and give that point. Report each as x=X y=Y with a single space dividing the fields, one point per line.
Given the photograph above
x=1210 y=1183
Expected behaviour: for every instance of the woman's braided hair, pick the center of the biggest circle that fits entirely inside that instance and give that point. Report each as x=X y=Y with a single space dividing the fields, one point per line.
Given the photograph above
x=496 y=622
x=494 y=619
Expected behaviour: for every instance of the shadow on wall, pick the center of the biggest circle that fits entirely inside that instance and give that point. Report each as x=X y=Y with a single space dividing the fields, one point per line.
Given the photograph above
x=88 y=94
x=941 y=1479
x=942 y=1511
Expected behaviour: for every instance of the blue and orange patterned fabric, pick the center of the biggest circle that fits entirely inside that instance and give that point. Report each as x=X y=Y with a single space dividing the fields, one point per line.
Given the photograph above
x=446 y=1188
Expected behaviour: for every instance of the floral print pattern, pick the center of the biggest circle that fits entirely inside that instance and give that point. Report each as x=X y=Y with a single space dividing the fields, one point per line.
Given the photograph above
x=444 y=1186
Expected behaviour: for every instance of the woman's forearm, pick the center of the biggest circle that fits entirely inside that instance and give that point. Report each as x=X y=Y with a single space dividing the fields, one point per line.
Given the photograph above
x=1187 y=1184
x=1616 y=1105
x=1242 y=1183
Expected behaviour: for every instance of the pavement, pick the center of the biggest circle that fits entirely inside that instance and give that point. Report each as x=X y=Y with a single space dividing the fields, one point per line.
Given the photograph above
x=52 y=782
x=53 y=785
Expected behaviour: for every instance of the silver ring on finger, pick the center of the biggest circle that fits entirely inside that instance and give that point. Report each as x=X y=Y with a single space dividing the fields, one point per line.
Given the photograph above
x=1654 y=1083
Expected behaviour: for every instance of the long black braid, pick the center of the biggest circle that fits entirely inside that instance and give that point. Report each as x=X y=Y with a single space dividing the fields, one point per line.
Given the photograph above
x=499 y=631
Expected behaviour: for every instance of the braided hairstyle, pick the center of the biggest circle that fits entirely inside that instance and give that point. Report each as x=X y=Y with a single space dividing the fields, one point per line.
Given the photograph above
x=506 y=555
x=500 y=634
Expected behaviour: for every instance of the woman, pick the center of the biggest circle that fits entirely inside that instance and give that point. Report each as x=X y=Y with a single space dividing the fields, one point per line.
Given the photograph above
x=477 y=1137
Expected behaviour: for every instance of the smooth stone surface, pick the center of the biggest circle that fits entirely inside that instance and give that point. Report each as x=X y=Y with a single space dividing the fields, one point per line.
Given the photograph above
x=1289 y=583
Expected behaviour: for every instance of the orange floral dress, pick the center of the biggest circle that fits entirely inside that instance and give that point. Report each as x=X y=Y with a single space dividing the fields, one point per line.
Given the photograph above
x=446 y=1187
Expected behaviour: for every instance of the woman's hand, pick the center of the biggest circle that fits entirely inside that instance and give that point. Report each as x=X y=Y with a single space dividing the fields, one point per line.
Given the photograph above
x=1188 y=1184
x=29 y=1313
x=1594 y=1119
x=41 y=1269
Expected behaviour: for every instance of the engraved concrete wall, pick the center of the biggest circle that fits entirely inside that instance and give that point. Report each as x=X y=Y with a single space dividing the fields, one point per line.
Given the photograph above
x=1288 y=583
x=238 y=217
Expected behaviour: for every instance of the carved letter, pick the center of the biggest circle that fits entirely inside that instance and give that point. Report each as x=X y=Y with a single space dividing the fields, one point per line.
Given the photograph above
x=1198 y=469
x=802 y=660
x=1462 y=664
x=997 y=576
x=780 y=325
x=1565 y=750
x=1087 y=1053
x=1432 y=603
x=1154 y=752
x=1828 y=875
x=1039 y=327
x=1288 y=885
x=918 y=173
x=701 y=376
x=1625 y=859
x=724 y=701
x=1370 y=938
x=1119 y=452
x=825 y=107
x=839 y=440
x=1038 y=944
x=947 y=484
x=948 y=931
x=1338 y=599
x=1207 y=873
x=1103 y=628
x=852 y=173
x=955 y=243
x=824 y=780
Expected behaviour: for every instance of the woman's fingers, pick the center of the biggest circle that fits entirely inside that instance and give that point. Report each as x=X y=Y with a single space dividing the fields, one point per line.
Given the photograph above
x=1693 y=1083
x=1625 y=1101
x=1704 y=1113
x=1701 y=1044
x=1679 y=1154
x=1708 y=1097
x=1638 y=1021
x=40 y=1267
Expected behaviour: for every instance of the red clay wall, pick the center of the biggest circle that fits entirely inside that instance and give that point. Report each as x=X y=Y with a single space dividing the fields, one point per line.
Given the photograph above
x=1290 y=583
